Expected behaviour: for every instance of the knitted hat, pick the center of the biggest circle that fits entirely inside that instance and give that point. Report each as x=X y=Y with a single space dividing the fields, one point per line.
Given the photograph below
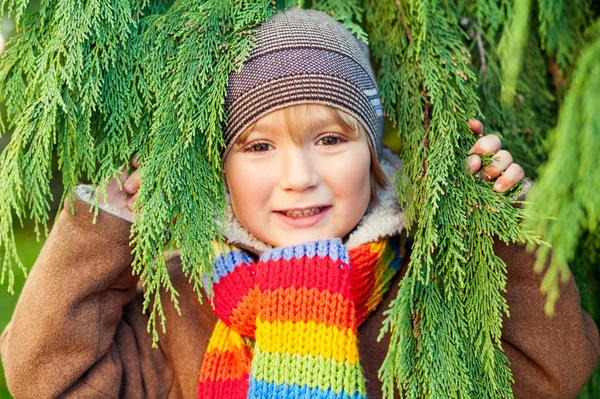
x=301 y=57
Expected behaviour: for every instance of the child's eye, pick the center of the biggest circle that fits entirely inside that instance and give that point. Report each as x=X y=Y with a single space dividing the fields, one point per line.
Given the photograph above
x=260 y=147
x=331 y=140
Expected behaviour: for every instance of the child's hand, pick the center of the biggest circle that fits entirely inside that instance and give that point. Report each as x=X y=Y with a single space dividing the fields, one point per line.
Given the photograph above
x=510 y=173
x=119 y=199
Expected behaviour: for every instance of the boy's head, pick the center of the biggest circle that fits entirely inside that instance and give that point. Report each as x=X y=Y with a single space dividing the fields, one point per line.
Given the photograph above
x=305 y=130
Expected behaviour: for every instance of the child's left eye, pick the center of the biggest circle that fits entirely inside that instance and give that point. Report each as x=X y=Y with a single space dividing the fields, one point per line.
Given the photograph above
x=330 y=140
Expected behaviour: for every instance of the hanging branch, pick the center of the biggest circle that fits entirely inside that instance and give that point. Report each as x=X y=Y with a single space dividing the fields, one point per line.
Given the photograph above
x=510 y=49
x=100 y=81
x=53 y=75
x=182 y=201
x=562 y=23
x=521 y=125
x=567 y=188
x=446 y=322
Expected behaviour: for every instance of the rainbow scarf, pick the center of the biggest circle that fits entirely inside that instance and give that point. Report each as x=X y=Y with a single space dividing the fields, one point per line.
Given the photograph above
x=288 y=321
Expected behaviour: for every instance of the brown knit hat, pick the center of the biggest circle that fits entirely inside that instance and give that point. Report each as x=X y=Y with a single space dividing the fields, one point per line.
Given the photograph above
x=300 y=57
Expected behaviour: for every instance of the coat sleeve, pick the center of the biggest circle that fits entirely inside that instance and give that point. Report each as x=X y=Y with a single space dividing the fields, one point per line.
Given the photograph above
x=551 y=357
x=71 y=334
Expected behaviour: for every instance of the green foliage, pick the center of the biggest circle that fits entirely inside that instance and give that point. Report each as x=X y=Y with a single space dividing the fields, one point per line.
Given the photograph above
x=446 y=323
x=511 y=46
x=568 y=183
x=562 y=24
x=566 y=192
x=53 y=77
x=96 y=82
x=101 y=81
x=521 y=125
x=348 y=13
x=181 y=202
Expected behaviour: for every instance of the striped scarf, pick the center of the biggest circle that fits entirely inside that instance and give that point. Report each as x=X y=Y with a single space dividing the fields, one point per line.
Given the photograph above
x=288 y=321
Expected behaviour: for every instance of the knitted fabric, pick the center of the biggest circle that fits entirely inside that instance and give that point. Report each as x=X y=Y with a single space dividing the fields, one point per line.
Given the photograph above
x=300 y=57
x=288 y=322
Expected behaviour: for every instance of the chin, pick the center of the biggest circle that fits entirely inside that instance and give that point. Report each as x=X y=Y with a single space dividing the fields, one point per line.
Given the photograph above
x=295 y=238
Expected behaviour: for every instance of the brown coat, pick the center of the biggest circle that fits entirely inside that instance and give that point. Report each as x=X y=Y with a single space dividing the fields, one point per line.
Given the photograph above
x=78 y=330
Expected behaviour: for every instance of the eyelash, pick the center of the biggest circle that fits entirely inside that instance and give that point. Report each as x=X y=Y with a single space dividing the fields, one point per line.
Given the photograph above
x=251 y=146
x=341 y=139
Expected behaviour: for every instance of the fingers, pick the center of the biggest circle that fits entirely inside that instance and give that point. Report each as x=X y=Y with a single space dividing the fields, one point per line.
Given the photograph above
x=511 y=176
x=131 y=201
x=113 y=189
x=502 y=159
x=489 y=144
x=115 y=185
x=134 y=162
x=473 y=163
x=476 y=126
x=132 y=185
x=117 y=191
x=502 y=163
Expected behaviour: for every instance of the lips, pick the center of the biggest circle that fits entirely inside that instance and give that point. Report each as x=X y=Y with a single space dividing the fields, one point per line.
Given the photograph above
x=298 y=213
x=304 y=217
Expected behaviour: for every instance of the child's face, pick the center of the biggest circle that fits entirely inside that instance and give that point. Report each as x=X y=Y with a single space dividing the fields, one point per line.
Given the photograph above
x=287 y=193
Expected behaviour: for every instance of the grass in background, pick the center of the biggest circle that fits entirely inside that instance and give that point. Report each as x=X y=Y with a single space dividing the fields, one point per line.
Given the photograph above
x=28 y=249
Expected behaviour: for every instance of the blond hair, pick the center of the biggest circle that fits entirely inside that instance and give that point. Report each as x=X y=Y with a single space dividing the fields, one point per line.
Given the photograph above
x=299 y=115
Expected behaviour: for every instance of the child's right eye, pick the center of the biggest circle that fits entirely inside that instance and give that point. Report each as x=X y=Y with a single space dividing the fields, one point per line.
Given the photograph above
x=259 y=147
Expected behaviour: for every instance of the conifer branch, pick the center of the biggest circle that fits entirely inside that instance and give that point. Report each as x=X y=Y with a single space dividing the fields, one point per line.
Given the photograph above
x=566 y=188
x=510 y=49
x=181 y=203
x=54 y=73
x=15 y=9
x=349 y=13
x=521 y=125
x=452 y=272
x=562 y=24
x=481 y=49
x=399 y=6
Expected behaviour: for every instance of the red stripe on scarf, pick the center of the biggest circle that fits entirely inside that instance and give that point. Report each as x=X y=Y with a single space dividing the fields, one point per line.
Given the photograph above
x=324 y=274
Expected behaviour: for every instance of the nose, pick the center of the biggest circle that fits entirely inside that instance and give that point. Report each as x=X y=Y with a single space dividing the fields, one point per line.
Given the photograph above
x=298 y=172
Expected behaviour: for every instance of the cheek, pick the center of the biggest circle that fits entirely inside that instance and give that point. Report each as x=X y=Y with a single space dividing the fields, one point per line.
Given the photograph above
x=349 y=178
x=249 y=190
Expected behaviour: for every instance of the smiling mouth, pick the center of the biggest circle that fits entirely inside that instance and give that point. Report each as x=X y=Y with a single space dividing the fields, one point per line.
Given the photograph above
x=299 y=213
x=305 y=217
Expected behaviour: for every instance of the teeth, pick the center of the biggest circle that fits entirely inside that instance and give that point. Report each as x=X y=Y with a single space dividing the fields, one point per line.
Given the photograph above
x=302 y=213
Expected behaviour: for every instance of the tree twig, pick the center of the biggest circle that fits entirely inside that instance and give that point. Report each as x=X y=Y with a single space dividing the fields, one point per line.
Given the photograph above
x=408 y=35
